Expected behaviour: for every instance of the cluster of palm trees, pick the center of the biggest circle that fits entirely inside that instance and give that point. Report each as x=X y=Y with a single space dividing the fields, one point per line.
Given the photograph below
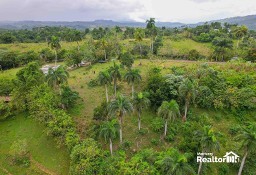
x=121 y=105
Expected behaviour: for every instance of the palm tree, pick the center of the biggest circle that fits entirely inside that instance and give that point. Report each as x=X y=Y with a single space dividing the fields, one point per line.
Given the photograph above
x=54 y=43
x=131 y=77
x=208 y=141
x=240 y=32
x=174 y=163
x=139 y=35
x=104 y=79
x=115 y=75
x=56 y=77
x=139 y=102
x=104 y=45
x=77 y=36
x=109 y=131
x=153 y=32
x=248 y=139
x=119 y=107
x=168 y=111
x=187 y=91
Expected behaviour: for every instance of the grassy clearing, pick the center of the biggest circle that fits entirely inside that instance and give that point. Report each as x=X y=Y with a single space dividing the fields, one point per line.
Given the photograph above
x=24 y=47
x=184 y=46
x=42 y=148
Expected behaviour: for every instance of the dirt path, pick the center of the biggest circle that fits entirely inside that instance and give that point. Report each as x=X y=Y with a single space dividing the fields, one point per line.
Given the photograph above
x=41 y=167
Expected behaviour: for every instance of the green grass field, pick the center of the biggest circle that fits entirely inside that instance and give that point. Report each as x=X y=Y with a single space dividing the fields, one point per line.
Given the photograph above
x=42 y=148
x=184 y=46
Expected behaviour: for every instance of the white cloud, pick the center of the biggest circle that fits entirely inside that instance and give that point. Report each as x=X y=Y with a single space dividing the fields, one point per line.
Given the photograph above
x=188 y=11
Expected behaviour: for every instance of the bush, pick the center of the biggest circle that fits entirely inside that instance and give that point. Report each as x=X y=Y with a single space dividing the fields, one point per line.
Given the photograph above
x=154 y=142
x=92 y=83
x=68 y=97
x=86 y=158
x=157 y=124
x=6 y=86
x=100 y=112
x=126 y=60
x=223 y=170
x=19 y=152
x=5 y=110
x=126 y=145
x=142 y=131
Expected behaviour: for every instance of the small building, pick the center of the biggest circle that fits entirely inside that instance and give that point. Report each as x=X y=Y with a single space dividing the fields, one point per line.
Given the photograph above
x=46 y=68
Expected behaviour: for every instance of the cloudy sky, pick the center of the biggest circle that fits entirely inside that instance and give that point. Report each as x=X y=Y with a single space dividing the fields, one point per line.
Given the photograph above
x=187 y=11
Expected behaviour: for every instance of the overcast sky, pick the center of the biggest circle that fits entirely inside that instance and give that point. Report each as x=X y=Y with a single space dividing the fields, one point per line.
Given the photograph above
x=187 y=11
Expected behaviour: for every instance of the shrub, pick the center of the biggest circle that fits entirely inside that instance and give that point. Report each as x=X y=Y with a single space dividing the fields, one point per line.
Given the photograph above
x=100 y=112
x=6 y=86
x=19 y=152
x=86 y=158
x=223 y=169
x=68 y=97
x=154 y=142
x=5 y=110
x=92 y=83
x=126 y=145
x=157 y=124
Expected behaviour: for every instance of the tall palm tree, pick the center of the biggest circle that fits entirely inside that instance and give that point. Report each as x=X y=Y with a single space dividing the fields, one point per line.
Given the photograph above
x=132 y=76
x=168 y=111
x=115 y=75
x=109 y=131
x=104 y=45
x=54 y=43
x=119 y=107
x=153 y=31
x=187 y=91
x=208 y=141
x=104 y=79
x=56 y=77
x=248 y=139
x=139 y=102
x=77 y=36
x=139 y=35
x=240 y=32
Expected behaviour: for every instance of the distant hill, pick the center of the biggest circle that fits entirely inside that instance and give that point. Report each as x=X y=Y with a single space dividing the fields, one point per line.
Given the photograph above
x=80 y=24
x=249 y=21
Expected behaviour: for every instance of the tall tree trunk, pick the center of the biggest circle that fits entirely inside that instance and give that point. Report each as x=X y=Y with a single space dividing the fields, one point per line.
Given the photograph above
x=56 y=57
x=78 y=47
x=140 y=53
x=165 y=128
x=132 y=90
x=242 y=163
x=105 y=54
x=110 y=146
x=152 y=45
x=139 y=120
x=106 y=87
x=115 y=86
x=186 y=111
x=121 y=129
x=200 y=166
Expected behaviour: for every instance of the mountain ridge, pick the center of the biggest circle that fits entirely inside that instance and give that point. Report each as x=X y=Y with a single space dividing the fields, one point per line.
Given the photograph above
x=249 y=21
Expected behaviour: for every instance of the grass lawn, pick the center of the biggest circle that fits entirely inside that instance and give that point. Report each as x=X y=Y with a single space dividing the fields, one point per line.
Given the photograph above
x=42 y=148
x=184 y=46
x=24 y=47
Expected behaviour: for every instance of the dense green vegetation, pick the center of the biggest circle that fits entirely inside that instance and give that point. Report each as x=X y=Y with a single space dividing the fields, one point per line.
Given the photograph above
x=137 y=111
